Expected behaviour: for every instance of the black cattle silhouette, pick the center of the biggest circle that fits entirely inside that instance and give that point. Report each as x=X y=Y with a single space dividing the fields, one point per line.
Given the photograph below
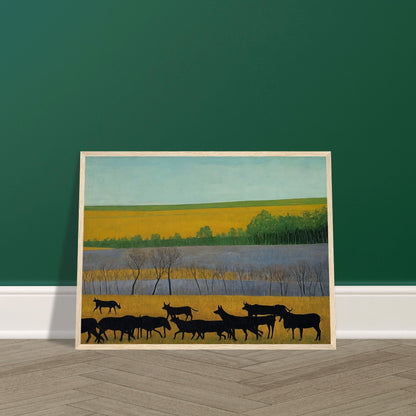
x=90 y=325
x=254 y=310
x=189 y=327
x=234 y=322
x=150 y=323
x=126 y=325
x=270 y=319
x=219 y=327
x=293 y=321
x=110 y=304
x=179 y=310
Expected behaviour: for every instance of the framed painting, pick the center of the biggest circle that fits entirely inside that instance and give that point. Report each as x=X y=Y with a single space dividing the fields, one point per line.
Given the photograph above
x=205 y=250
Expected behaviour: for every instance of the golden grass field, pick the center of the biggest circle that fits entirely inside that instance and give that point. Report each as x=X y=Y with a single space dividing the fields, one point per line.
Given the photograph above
x=149 y=274
x=152 y=306
x=118 y=224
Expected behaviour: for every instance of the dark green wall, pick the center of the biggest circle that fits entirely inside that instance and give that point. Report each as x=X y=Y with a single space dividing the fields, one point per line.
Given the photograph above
x=208 y=75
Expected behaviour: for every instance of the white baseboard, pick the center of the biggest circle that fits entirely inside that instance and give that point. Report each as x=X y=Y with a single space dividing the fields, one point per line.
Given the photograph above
x=48 y=312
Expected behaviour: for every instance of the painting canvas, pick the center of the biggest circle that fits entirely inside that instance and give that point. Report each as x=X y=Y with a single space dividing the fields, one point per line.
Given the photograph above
x=205 y=250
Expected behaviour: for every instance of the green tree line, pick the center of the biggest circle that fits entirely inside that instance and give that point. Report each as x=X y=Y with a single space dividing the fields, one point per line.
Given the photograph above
x=263 y=229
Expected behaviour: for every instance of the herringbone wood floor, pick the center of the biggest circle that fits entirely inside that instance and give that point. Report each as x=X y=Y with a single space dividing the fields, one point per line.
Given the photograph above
x=361 y=378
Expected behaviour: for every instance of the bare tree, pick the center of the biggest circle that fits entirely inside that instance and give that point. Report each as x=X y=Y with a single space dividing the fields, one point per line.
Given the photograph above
x=204 y=275
x=163 y=260
x=193 y=269
x=276 y=273
x=213 y=277
x=108 y=276
x=220 y=272
x=241 y=272
x=87 y=278
x=300 y=273
x=282 y=275
x=104 y=269
x=136 y=259
x=158 y=263
x=319 y=275
x=172 y=254
x=267 y=275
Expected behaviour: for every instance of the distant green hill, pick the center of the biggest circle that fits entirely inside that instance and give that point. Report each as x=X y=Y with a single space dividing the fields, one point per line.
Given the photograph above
x=235 y=204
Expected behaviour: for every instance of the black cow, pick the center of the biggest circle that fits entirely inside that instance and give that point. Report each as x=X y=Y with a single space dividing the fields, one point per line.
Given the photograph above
x=90 y=325
x=150 y=323
x=126 y=325
x=189 y=327
x=179 y=310
x=254 y=310
x=239 y=322
x=110 y=304
x=293 y=321
x=202 y=327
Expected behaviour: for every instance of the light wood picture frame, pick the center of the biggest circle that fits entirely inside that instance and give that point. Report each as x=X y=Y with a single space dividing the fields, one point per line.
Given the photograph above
x=205 y=250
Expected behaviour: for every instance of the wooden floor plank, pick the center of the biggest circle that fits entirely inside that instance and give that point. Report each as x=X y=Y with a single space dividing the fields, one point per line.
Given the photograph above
x=43 y=403
x=225 y=399
x=332 y=382
x=409 y=374
x=321 y=402
x=362 y=377
x=9 y=397
x=154 y=401
x=48 y=362
x=294 y=359
x=213 y=357
x=399 y=411
x=40 y=376
x=61 y=411
x=148 y=362
x=110 y=407
x=318 y=370
x=181 y=378
x=369 y=406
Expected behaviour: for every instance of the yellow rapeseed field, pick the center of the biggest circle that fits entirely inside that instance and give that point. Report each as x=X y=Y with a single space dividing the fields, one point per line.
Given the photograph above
x=118 y=224
x=205 y=305
x=148 y=274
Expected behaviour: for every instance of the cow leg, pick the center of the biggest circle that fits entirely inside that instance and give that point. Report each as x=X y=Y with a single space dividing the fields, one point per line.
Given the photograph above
x=98 y=337
x=164 y=332
x=293 y=333
x=158 y=332
x=245 y=333
x=301 y=333
x=318 y=333
x=89 y=336
x=183 y=334
x=176 y=333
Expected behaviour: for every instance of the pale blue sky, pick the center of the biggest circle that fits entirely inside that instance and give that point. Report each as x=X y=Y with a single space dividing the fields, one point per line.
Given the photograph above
x=186 y=180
